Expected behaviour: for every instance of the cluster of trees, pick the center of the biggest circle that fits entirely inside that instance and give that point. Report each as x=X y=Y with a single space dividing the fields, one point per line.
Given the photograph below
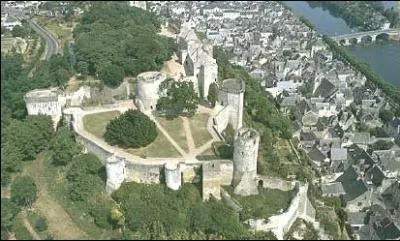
x=23 y=31
x=260 y=113
x=155 y=212
x=22 y=141
x=15 y=81
x=213 y=94
x=132 y=129
x=180 y=98
x=356 y=14
x=391 y=14
x=113 y=40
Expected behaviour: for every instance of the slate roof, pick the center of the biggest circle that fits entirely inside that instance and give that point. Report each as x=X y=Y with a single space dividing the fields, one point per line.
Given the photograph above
x=361 y=137
x=325 y=89
x=316 y=155
x=289 y=101
x=338 y=154
x=356 y=218
x=353 y=187
x=376 y=175
x=333 y=189
x=386 y=229
x=307 y=136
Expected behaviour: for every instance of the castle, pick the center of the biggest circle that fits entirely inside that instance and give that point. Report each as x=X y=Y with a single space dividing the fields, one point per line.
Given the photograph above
x=201 y=69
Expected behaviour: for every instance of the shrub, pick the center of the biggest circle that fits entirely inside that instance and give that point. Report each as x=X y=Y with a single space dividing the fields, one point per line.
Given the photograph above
x=133 y=129
x=23 y=190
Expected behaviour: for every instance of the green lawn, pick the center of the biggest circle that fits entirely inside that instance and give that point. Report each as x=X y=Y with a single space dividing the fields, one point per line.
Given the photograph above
x=18 y=227
x=33 y=219
x=175 y=129
x=96 y=123
x=264 y=205
x=198 y=126
x=160 y=147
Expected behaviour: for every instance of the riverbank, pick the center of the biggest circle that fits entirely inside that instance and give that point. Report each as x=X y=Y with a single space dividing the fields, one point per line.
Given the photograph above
x=392 y=92
x=360 y=15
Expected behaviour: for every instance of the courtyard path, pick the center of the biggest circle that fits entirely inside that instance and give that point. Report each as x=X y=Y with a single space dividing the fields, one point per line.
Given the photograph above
x=165 y=133
x=188 y=132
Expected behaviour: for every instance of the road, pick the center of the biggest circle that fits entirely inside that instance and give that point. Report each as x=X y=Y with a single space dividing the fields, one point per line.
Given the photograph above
x=51 y=43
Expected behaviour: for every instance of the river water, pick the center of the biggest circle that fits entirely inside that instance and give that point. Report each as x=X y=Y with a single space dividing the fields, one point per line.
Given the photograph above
x=383 y=58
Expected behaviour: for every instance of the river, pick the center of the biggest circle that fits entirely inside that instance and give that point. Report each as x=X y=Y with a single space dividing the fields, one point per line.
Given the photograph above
x=383 y=58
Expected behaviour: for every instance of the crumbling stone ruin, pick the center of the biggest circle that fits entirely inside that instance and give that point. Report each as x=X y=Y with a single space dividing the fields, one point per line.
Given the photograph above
x=197 y=60
x=147 y=91
x=245 y=162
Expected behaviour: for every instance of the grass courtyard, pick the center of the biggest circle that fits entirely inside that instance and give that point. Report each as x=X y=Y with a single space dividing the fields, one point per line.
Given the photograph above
x=198 y=126
x=175 y=129
x=160 y=147
x=96 y=123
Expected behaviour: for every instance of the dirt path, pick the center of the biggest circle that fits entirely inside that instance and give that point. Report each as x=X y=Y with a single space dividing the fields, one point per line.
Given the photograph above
x=165 y=133
x=60 y=223
x=188 y=132
x=29 y=226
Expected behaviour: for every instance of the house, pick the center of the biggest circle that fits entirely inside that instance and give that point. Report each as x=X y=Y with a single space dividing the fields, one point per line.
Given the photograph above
x=318 y=158
x=332 y=189
x=10 y=22
x=393 y=127
x=356 y=220
x=357 y=195
x=380 y=226
x=307 y=139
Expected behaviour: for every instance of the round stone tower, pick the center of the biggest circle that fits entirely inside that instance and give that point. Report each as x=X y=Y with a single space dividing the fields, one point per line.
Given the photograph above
x=245 y=161
x=115 y=168
x=231 y=93
x=173 y=176
x=147 y=90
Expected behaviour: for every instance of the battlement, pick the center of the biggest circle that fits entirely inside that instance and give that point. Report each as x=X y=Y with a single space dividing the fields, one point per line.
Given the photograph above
x=233 y=85
x=247 y=134
x=41 y=95
x=151 y=76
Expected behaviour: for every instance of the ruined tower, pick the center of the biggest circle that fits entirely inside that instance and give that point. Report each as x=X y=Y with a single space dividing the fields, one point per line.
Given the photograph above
x=245 y=162
x=115 y=168
x=147 y=90
x=173 y=176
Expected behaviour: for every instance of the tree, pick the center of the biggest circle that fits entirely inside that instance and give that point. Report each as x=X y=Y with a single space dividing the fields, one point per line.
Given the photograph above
x=40 y=224
x=18 y=31
x=386 y=115
x=63 y=146
x=31 y=136
x=8 y=212
x=181 y=99
x=212 y=94
x=23 y=190
x=112 y=75
x=133 y=129
x=11 y=158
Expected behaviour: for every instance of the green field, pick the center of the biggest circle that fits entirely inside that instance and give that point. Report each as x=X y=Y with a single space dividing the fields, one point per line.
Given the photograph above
x=160 y=147
x=198 y=126
x=175 y=129
x=96 y=123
